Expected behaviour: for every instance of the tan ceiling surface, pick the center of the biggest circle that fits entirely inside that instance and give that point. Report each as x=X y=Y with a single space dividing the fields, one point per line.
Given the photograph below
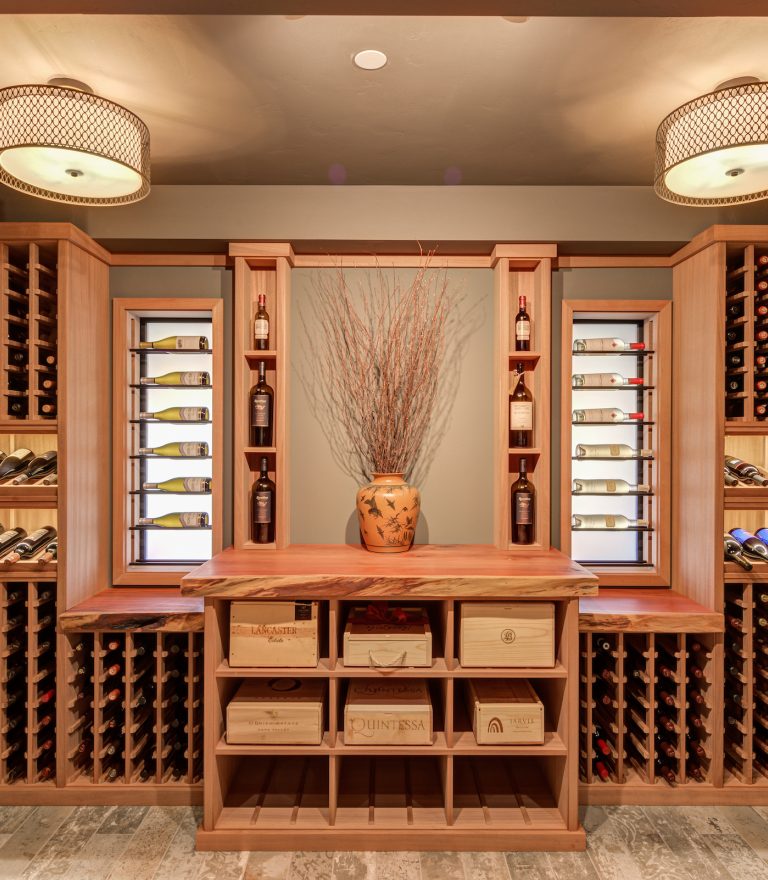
x=276 y=100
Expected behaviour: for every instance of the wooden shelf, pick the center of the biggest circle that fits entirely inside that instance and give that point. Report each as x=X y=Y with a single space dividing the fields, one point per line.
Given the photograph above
x=745 y=497
x=36 y=495
x=322 y=670
x=253 y=357
x=646 y=610
x=146 y=609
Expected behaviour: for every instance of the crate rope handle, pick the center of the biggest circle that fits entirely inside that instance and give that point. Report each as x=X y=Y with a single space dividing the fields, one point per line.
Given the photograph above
x=398 y=661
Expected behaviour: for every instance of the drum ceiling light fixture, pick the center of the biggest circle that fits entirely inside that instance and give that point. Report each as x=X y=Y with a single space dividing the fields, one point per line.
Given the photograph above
x=714 y=149
x=62 y=142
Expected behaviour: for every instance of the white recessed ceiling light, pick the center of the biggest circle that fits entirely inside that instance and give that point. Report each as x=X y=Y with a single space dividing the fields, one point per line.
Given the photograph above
x=370 y=59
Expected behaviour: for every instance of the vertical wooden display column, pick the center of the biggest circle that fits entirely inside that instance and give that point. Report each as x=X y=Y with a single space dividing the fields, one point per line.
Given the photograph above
x=522 y=270
x=261 y=268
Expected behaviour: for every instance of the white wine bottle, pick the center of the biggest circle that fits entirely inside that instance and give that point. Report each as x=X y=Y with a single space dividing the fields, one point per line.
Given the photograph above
x=179 y=414
x=189 y=449
x=185 y=377
x=185 y=520
x=607 y=521
x=608 y=415
x=606 y=343
x=609 y=450
x=191 y=343
x=182 y=484
x=602 y=380
x=607 y=487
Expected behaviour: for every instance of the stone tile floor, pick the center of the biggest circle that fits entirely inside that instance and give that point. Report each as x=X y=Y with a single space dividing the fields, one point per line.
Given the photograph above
x=157 y=843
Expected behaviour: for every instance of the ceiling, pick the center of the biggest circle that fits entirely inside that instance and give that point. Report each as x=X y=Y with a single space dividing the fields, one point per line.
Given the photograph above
x=276 y=100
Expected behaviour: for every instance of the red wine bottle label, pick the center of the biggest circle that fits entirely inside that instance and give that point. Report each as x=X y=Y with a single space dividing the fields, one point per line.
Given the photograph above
x=523 y=509
x=263 y=513
x=521 y=416
x=260 y=329
x=523 y=330
x=260 y=411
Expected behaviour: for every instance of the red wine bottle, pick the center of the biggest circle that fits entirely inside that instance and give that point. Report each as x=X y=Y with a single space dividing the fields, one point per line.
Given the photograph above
x=263 y=507
x=522 y=327
x=523 y=507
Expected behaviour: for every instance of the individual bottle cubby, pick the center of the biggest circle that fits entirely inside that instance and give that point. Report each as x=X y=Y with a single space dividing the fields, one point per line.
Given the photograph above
x=746 y=333
x=135 y=708
x=28 y=311
x=28 y=675
x=645 y=705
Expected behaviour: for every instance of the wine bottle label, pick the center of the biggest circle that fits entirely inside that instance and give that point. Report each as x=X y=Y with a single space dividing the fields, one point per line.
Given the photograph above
x=523 y=330
x=523 y=509
x=263 y=504
x=185 y=342
x=191 y=520
x=260 y=329
x=196 y=484
x=260 y=411
x=601 y=380
x=521 y=416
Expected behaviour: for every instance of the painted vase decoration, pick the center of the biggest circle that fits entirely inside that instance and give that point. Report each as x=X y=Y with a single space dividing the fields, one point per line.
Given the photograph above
x=388 y=510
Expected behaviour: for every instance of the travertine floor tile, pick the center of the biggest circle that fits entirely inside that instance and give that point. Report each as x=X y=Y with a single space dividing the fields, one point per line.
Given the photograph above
x=267 y=866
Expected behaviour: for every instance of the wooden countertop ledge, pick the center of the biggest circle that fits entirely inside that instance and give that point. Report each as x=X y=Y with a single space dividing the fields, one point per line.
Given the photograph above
x=428 y=571
x=636 y=610
x=142 y=609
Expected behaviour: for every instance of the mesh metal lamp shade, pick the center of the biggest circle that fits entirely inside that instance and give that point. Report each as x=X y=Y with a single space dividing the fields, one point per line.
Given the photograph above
x=714 y=150
x=72 y=146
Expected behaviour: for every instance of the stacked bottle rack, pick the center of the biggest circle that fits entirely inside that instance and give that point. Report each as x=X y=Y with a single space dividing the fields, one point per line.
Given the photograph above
x=646 y=704
x=28 y=313
x=134 y=715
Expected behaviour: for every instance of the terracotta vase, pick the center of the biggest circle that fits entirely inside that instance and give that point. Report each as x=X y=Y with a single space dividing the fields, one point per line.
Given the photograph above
x=388 y=510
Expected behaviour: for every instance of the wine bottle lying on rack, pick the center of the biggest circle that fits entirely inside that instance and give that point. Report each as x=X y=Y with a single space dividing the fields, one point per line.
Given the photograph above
x=179 y=414
x=182 y=485
x=746 y=471
x=15 y=463
x=189 y=449
x=608 y=415
x=607 y=487
x=11 y=537
x=50 y=553
x=183 y=520
x=38 y=467
x=603 y=380
x=751 y=546
x=190 y=343
x=609 y=450
x=186 y=377
x=30 y=545
x=606 y=343
x=607 y=521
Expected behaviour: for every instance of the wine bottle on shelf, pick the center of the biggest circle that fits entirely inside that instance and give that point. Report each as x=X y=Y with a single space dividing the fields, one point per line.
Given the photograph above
x=522 y=326
x=607 y=487
x=30 y=545
x=730 y=479
x=600 y=741
x=610 y=450
x=261 y=325
x=603 y=380
x=185 y=377
x=521 y=412
x=50 y=553
x=48 y=384
x=751 y=546
x=606 y=343
x=38 y=467
x=601 y=770
x=606 y=521
x=179 y=414
x=186 y=343
x=666 y=748
x=183 y=520
x=188 y=449
x=182 y=485
x=735 y=359
x=15 y=463
x=523 y=497
x=10 y=538
x=733 y=552
x=47 y=408
x=607 y=415
x=262 y=402
x=665 y=771
x=51 y=480
x=263 y=507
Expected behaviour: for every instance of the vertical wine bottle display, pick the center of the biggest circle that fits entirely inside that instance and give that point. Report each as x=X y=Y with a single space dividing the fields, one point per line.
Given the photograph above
x=262 y=408
x=261 y=325
x=28 y=383
x=523 y=507
x=173 y=394
x=611 y=441
x=263 y=507
x=520 y=412
x=522 y=326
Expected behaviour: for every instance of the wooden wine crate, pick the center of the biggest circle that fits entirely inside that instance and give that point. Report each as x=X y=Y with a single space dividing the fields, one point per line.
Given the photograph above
x=507 y=634
x=381 y=643
x=505 y=711
x=393 y=712
x=273 y=634
x=277 y=710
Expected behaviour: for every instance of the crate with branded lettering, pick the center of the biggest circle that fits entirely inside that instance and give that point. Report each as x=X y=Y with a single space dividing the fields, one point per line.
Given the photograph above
x=388 y=712
x=277 y=710
x=505 y=711
x=380 y=636
x=507 y=634
x=274 y=634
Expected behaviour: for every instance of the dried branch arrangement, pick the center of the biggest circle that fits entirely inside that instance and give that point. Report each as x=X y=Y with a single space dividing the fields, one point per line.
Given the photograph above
x=378 y=353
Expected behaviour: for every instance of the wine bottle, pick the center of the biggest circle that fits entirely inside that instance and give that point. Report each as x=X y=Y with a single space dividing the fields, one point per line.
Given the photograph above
x=30 y=545
x=523 y=507
x=735 y=359
x=38 y=467
x=665 y=771
x=599 y=740
x=191 y=343
x=11 y=537
x=607 y=415
x=48 y=384
x=263 y=507
x=179 y=414
x=50 y=553
x=189 y=449
x=729 y=478
x=51 y=480
x=732 y=551
x=184 y=520
x=15 y=463
x=262 y=402
x=261 y=325
x=744 y=470
x=609 y=450
x=607 y=487
x=665 y=721
x=602 y=380
x=750 y=545
x=606 y=521
x=666 y=748
x=606 y=343
x=48 y=408
x=185 y=377
x=182 y=485
x=522 y=326
x=521 y=412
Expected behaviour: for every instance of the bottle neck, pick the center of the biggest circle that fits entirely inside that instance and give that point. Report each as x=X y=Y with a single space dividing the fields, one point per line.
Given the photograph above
x=521 y=303
x=262 y=371
x=264 y=468
x=523 y=469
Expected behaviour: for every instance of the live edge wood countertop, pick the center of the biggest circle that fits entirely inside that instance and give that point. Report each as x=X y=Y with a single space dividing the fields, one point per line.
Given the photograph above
x=427 y=571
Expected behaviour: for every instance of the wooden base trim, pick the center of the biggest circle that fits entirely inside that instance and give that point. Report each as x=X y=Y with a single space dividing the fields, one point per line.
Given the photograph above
x=101 y=795
x=663 y=795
